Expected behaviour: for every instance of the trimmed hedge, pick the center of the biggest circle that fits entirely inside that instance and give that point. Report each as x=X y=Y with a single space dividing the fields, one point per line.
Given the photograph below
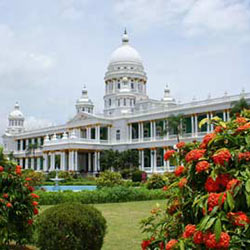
x=104 y=195
x=70 y=183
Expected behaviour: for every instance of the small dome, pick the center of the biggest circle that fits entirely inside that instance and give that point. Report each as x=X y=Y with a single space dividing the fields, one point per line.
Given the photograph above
x=16 y=113
x=125 y=53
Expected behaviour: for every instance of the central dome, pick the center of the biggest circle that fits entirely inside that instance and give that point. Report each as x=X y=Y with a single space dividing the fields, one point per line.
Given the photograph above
x=125 y=53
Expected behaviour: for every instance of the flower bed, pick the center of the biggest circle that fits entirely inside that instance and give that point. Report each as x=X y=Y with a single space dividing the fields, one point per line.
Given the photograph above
x=208 y=205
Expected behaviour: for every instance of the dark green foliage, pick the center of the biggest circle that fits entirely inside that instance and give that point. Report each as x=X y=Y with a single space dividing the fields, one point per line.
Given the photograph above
x=126 y=173
x=238 y=106
x=71 y=226
x=137 y=176
x=174 y=125
x=109 y=179
x=156 y=181
x=104 y=195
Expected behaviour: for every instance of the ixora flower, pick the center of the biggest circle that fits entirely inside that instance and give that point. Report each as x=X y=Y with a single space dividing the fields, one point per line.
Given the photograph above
x=180 y=144
x=221 y=157
x=213 y=200
x=218 y=129
x=232 y=184
x=182 y=182
x=35 y=196
x=189 y=231
x=202 y=166
x=198 y=237
x=219 y=184
x=239 y=218
x=171 y=244
x=241 y=120
x=194 y=155
x=18 y=170
x=145 y=244
x=30 y=221
x=1 y=169
x=244 y=156
x=207 y=138
x=8 y=204
x=179 y=170
x=168 y=154
x=243 y=127
x=223 y=242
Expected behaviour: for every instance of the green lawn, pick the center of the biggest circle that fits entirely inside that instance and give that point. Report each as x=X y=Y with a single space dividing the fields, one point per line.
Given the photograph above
x=123 y=223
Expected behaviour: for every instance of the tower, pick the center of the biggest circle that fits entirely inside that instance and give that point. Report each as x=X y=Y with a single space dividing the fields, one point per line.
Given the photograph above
x=125 y=80
x=84 y=104
x=168 y=100
x=16 y=121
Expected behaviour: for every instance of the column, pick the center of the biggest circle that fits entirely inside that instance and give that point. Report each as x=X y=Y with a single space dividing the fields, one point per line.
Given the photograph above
x=89 y=162
x=208 y=123
x=26 y=163
x=152 y=159
x=75 y=161
x=98 y=160
x=192 y=124
x=142 y=160
x=164 y=162
x=228 y=115
x=52 y=162
x=88 y=133
x=95 y=162
x=97 y=133
x=45 y=162
x=139 y=157
x=32 y=163
x=142 y=131
x=139 y=131
x=196 y=124
x=130 y=132
x=155 y=160
x=62 y=161
x=21 y=162
x=212 y=125
x=109 y=133
x=151 y=131
x=224 y=116
x=38 y=164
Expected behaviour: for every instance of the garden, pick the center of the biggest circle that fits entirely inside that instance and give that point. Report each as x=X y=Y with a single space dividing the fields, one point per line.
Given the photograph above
x=204 y=204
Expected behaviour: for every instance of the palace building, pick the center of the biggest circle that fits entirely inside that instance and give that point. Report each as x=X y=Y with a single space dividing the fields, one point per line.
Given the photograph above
x=130 y=120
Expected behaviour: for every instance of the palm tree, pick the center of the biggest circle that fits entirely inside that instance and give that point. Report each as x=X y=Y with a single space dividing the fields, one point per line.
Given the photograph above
x=174 y=123
x=238 y=106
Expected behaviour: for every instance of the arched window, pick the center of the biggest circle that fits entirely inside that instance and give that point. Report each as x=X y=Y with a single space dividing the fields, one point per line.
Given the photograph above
x=118 y=135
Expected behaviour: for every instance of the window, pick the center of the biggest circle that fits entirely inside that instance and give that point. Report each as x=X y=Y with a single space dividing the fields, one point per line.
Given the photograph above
x=83 y=109
x=118 y=102
x=132 y=85
x=124 y=102
x=118 y=85
x=18 y=145
x=109 y=102
x=118 y=135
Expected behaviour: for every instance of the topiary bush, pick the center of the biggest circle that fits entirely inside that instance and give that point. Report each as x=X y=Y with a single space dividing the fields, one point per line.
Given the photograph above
x=109 y=179
x=156 y=181
x=137 y=175
x=18 y=204
x=208 y=202
x=70 y=226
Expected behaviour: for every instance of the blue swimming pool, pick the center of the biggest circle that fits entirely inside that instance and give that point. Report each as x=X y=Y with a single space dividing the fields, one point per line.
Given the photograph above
x=72 y=188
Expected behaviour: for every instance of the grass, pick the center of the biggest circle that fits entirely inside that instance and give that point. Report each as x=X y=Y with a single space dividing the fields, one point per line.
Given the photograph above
x=123 y=223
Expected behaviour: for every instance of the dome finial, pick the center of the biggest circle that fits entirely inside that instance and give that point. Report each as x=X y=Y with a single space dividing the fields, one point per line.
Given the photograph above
x=125 y=37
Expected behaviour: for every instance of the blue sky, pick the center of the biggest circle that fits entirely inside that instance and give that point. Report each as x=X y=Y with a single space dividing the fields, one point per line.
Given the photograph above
x=50 y=49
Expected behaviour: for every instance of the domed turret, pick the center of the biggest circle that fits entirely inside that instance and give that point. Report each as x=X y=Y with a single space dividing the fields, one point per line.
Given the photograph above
x=167 y=98
x=16 y=120
x=125 y=79
x=84 y=104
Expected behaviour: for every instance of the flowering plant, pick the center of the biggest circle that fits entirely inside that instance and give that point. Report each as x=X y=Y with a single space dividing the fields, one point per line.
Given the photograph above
x=18 y=204
x=208 y=203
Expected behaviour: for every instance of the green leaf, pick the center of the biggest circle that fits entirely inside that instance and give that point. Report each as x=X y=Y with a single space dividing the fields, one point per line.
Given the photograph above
x=204 y=222
x=230 y=200
x=217 y=229
x=203 y=121
x=182 y=247
x=210 y=223
x=248 y=186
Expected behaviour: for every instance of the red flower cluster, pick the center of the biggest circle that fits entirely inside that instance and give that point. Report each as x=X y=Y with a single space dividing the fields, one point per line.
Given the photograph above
x=213 y=200
x=198 y=237
x=5 y=195
x=165 y=188
x=182 y=182
x=219 y=184
x=35 y=196
x=194 y=155
x=232 y=184
x=145 y=244
x=1 y=169
x=218 y=129
x=221 y=157
x=210 y=241
x=30 y=221
x=241 y=120
x=168 y=154
x=35 y=211
x=179 y=170
x=18 y=170
x=239 y=218
x=244 y=156
x=180 y=145
x=202 y=166
x=8 y=204
x=207 y=138
x=170 y=245
x=189 y=231
x=243 y=127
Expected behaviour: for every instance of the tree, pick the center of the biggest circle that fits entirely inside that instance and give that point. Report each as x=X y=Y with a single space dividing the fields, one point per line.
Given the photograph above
x=238 y=106
x=174 y=123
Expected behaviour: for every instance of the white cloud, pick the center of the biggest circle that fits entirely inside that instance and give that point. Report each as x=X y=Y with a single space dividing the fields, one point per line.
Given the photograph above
x=190 y=16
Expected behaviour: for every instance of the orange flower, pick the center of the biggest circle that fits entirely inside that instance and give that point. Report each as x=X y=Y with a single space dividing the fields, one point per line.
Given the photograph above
x=207 y=138
x=232 y=184
x=241 y=120
x=179 y=170
x=182 y=182
x=239 y=218
x=8 y=204
x=223 y=242
x=170 y=245
x=221 y=157
x=218 y=129
x=243 y=127
x=30 y=221
x=5 y=195
x=34 y=203
x=165 y=188
x=198 y=237
x=194 y=155
x=1 y=169
x=244 y=156
x=189 y=231
x=180 y=144
x=202 y=166
x=168 y=154
x=35 y=211
x=213 y=200
x=35 y=196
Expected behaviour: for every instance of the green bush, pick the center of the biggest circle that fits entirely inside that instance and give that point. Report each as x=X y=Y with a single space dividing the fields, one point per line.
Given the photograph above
x=156 y=181
x=50 y=175
x=103 y=195
x=71 y=226
x=137 y=176
x=36 y=178
x=109 y=179
x=126 y=173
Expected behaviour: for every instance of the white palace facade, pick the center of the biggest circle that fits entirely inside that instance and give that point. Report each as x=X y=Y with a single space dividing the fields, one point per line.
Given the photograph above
x=130 y=120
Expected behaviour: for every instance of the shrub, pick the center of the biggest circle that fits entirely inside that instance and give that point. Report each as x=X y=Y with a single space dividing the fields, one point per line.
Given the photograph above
x=71 y=226
x=137 y=176
x=17 y=204
x=126 y=173
x=50 y=175
x=156 y=181
x=103 y=195
x=37 y=178
x=208 y=204
x=109 y=179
